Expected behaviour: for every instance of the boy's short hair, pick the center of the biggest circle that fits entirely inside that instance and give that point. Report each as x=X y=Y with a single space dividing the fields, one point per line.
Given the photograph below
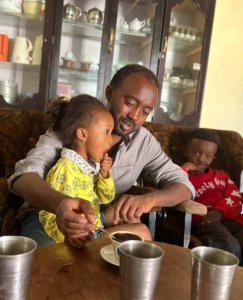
x=204 y=134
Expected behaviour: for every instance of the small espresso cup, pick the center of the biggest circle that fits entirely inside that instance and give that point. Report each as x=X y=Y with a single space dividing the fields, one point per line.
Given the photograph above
x=118 y=237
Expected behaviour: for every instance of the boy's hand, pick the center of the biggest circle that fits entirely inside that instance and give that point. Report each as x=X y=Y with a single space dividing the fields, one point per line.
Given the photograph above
x=105 y=165
x=212 y=216
x=192 y=168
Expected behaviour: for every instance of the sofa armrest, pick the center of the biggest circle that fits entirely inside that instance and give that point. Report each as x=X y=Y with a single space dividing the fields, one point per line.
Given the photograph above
x=190 y=206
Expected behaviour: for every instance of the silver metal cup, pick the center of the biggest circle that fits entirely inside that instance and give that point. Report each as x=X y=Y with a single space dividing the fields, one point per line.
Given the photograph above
x=16 y=253
x=139 y=269
x=212 y=273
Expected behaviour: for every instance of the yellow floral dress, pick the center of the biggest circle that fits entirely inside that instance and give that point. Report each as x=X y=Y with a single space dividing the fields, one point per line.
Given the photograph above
x=75 y=177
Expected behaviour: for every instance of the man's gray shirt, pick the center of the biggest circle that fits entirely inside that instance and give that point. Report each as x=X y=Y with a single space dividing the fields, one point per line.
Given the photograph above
x=138 y=152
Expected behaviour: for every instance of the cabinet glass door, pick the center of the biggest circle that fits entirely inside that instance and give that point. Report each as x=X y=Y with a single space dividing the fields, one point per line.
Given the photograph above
x=21 y=38
x=182 y=59
x=80 y=47
x=133 y=40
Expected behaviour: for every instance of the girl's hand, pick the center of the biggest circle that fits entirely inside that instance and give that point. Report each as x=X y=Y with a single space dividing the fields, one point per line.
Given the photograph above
x=105 y=165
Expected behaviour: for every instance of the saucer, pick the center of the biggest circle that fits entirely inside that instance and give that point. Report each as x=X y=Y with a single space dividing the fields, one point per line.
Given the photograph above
x=107 y=253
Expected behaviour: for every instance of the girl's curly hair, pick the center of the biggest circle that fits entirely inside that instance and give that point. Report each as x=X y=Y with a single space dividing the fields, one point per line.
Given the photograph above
x=64 y=116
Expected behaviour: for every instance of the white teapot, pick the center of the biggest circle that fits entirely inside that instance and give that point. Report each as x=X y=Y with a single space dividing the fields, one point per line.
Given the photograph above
x=21 y=50
x=136 y=25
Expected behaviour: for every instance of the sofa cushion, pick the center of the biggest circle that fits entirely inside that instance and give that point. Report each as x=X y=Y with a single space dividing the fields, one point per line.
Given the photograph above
x=19 y=131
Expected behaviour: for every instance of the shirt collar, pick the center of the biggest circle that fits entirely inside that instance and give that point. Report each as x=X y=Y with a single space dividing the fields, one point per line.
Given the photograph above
x=128 y=138
x=88 y=167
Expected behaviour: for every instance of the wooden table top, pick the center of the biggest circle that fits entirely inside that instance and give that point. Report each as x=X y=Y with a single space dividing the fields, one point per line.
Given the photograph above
x=63 y=272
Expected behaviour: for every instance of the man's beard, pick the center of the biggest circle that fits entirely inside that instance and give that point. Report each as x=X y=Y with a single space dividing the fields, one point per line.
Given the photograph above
x=118 y=130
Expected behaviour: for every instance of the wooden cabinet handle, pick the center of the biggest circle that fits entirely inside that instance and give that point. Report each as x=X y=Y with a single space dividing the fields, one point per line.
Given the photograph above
x=165 y=44
x=111 y=37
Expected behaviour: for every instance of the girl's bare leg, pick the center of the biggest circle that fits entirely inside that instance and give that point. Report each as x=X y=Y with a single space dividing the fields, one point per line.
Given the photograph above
x=137 y=227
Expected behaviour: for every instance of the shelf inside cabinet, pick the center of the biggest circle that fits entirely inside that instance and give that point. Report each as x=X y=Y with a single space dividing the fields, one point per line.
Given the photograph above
x=78 y=28
x=18 y=19
x=94 y=32
x=180 y=86
x=127 y=37
x=66 y=73
x=189 y=91
x=8 y=65
x=195 y=51
x=181 y=45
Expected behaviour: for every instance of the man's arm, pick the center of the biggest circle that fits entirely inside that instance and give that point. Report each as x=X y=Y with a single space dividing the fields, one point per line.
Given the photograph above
x=131 y=207
x=32 y=188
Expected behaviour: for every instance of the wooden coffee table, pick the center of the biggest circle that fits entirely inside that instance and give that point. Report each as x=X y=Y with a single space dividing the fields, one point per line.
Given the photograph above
x=62 y=272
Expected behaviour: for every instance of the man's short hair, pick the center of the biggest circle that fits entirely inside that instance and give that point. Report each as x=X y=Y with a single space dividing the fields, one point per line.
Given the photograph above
x=127 y=70
x=204 y=134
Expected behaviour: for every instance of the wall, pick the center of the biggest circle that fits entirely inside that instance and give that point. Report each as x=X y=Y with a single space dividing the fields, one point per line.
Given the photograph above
x=223 y=94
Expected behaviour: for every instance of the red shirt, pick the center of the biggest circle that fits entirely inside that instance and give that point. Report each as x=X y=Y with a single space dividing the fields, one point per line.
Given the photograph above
x=216 y=190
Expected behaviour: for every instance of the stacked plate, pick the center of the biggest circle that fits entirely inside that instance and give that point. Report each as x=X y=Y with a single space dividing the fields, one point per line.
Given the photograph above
x=9 y=91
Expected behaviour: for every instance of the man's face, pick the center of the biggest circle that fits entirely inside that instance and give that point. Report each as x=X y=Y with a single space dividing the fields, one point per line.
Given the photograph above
x=131 y=103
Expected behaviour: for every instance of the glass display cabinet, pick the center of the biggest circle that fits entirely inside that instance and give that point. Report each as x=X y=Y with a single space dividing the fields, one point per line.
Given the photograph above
x=171 y=37
x=99 y=37
x=183 y=61
x=80 y=47
x=83 y=43
x=23 y=42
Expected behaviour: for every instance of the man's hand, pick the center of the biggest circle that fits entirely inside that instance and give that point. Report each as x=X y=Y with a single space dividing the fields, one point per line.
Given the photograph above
x=80 y=242
x=75 y=218
x=212 y=216
x=129 y=208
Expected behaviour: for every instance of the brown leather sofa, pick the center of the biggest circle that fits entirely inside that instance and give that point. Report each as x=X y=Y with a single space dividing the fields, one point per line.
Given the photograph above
x=20 y=129
x=19 y=132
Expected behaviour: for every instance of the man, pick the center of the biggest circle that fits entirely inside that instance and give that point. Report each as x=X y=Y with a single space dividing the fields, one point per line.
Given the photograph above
x=131 y=95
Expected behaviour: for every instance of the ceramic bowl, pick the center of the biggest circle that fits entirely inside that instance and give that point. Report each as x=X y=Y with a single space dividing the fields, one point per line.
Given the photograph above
x=68 y=63
x=85 y=66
